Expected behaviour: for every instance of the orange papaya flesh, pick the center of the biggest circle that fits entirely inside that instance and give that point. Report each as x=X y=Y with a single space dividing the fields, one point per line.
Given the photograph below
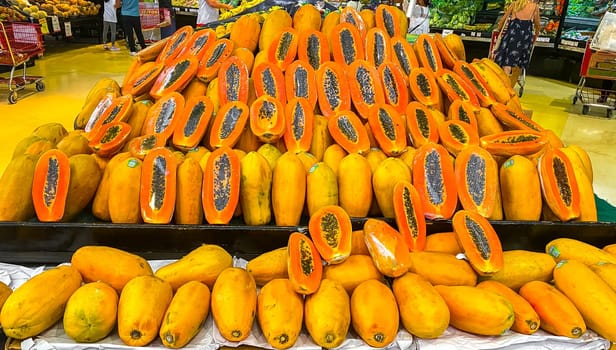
x=512 y=142
x=479 y=241
x=193 y=123
x=365 y=87
x=50 y=185
x=158 y=186
x=233 y=81
x=221 y=185
x=395 y=86
x=408 y=213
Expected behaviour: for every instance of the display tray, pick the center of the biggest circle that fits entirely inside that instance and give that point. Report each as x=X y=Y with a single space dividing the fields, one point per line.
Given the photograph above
x=52 y=243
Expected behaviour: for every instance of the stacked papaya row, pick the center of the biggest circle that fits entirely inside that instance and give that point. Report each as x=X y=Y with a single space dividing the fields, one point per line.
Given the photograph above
x=365 y=280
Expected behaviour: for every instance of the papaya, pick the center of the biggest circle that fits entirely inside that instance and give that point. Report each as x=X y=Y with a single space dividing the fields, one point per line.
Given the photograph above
x=520 y=188
x=16 y=202
x=333 y=155
x=384 y=178
x=352 y=272
x=299 y=125
x=268 y=266
x=246 y=32
x=421 y=124
x=374 y=313
x=221 y=186
x=522 y=266
x=321 y=188
x=442 y=269
x=158 y=186
x=5 y=291
x=304 y=264
x=477 y=177
x=456 y=135
x=91 y=312
x=333 y=91
x=307 y=17
x=192 y=122
x=255 y=189
x=327 y=314
x=588 y=206
x=572 y=249
x=50 y=185
x=479 y=241
x=347 y=45
x=100 y=202
x=444 y=242
x=288 y=190
x=409 y=215
x=313 y=48
x=387 y=248
x=74 y=143
x=355 y=185
x=358 y=244
x=274 y=23
x=527 y=320
x=188 y=206
x=52 y=131
x=365 y=86
x=388 y=128
x=175 y=44
x=280 y=312
x=404 y=54
x=85 y=177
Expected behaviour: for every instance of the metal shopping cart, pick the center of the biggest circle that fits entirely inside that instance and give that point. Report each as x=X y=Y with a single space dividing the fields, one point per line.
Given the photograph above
x=19 y=42
x=598 y=65
x=518 y=74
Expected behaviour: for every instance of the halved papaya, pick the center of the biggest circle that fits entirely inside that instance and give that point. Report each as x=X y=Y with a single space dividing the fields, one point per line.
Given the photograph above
x=387 y=248
x=395 y=86
x=455 y=135
x=378 y=47
x=469 y=74
x=348 y=131
x=463 y=111
x=559 y=185
x=221 y=185
x=331 y=230
x=299 y=125
x=212 y=59
x=448 y=57
x=427 y=53
x=175 y=44
x=513 y=119
x=300 y=81
x=404 y=54
x=233 y=81
x=349 y=14
x=164 y=114
x=229 y=124
x=420 y=124
x=304 y=264
x=479 y=241
x=408 y=213
x=141 y=145
x=388 y=129
x=52 y=175
x=267 y=119
x=192 y=122
x=424 y=88
x=110 y=139
x=313 y=48
x=512 y=142
x=455 y=88
x=284 y=48
x=175 y=76
x=142 y=79
x=158 y=186
x=117 y=110
x=434 y=179
x=365 y=86
x=387 y=19
x=199 y=42
x=477 y=180
x=347 y=45
x=269 y=80
x=333 y=92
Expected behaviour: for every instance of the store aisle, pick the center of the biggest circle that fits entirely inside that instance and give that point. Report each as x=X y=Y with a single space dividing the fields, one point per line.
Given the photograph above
x=70 y=70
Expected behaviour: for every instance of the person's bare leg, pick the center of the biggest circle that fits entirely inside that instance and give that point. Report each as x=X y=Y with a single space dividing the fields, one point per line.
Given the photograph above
x=507 y=70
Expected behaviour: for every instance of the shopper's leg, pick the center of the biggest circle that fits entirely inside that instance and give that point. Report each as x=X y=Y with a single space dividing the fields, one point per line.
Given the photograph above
x=113 y=33
x=128 y=33
x=105 y=29
x=139 y=33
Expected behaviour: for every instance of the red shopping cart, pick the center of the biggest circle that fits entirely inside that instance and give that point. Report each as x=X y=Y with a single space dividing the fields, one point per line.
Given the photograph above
x=599 y=65
x=152 y=17
x=19 y=42
x=518 y=73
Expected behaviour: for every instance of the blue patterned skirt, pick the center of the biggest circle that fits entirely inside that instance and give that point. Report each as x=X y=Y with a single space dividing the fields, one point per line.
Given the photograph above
x=516 y=44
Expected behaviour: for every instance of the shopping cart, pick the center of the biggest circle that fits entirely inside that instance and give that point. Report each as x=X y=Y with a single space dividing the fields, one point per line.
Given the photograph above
x=598 y=65
x=518 y=73
x=19 y=42
x=152 y=18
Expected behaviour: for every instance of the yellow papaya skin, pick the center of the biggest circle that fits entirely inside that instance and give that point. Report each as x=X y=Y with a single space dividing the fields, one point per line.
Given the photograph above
x=384 y=178
x=125 y=186
x=522 y=266
x=520 y=189
x=321 y=187
x=353 y=271
x=321 y=139
x=280 y=313
x=84 y=181
x=355 y=185
x=203 y=264
x=573 y=249
x=374 y=313
x=592 y=296
x=288 y=190
x=16 y=189
x=588 y=206
x=268 y=266
x=141 y=309
x=442 y=268
x=92 y=263
x=188 y=206
x=100 y=202
x=185 y=315
x=327 y=314
x=606 y=271
x=255 y=188
x=31 y=308
x=5 y=291
x=91 y=312
x=423 y=311
x=234 y=303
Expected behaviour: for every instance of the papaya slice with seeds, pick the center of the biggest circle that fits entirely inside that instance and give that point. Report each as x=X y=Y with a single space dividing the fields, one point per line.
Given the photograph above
x=229 y=124
x=456 y=135
x=377 y=47
x=299 y=125
x=448 y=57
x=387 y=248
x=479 y=241
x=110 y=139
x=221 y=185
x=268 y=79
x=388 y=129
x=559 y=185
x=513 y=119
x=331 y=230
x=267 y=119
x=233 y=81
x=192 y=123
x=421 y=124
x=424 y=88
x=348 y=131
x=117 y=110
x=199 y=42
x=387 y=19
x=52 y=175
x=395 y=86
x=404 y=54
x=212 y=59
x=463 y=111
x=469 y=74
x=141 y=145
x=427 y=53
x=142 y=79
x=434 y=178
x=304 y=264
x=175 y=77
x=365 y=87
x=349 y=14
x=164 y=114
x=175 y=44
x=300 y=81
x=284 y=48
x=409 y=216
x=158 y=186
x=347 y=44
x=477 y=180
x=333 y=92
x=512 y=142
x=455 y=88
x=313 y=47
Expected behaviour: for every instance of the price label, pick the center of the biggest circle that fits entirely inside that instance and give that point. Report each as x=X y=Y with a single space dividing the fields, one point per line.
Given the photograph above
x=55 y=24
x=568 y=42
x=44 y=27
x=67 y=30
x=447 y=32
x=543 y=39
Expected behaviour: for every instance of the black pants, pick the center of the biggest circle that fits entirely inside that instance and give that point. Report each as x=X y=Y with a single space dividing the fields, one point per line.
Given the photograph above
x=130 y=24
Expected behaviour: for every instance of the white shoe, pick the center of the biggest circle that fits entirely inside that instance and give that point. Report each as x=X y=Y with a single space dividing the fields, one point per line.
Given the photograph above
x=105 y=46
x=114 y=48
x=133 y=53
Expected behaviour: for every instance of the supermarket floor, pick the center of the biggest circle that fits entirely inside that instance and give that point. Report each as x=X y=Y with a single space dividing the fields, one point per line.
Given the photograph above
x=70 y=69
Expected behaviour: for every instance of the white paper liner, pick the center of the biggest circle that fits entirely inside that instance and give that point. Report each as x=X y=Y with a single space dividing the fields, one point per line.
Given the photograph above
x=210 y=339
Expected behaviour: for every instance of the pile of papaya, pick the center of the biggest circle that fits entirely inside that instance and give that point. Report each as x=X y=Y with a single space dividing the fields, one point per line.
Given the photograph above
x=290 y=114
x=325 y=284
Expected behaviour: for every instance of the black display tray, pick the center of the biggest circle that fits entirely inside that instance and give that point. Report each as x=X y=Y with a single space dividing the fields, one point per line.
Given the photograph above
x=34 y=243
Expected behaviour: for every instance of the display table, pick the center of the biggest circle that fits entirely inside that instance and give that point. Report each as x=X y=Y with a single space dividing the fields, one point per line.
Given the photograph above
x=76 y=28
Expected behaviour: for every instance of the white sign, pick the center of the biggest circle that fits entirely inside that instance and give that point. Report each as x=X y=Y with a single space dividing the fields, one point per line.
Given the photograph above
x=55 y=24
x=67 y=30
